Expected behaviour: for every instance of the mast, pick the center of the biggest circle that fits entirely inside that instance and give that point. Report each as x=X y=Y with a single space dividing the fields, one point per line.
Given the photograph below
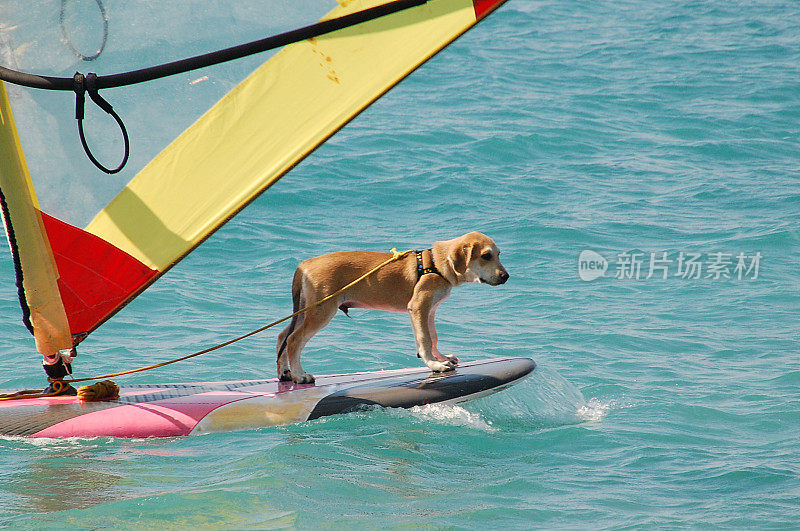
x=37 y=275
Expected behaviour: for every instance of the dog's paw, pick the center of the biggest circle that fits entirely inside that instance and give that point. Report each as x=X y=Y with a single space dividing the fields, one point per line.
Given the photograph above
x=439 y=366
x=285 y=376
x=304 y=378
x=444 y=358
x=452 y=359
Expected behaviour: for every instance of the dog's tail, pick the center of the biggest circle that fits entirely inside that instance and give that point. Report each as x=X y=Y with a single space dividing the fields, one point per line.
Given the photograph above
x=297 y=284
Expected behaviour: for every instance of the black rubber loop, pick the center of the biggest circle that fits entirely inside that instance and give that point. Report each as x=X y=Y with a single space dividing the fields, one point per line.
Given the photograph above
x=69 y=42
x=88 y=84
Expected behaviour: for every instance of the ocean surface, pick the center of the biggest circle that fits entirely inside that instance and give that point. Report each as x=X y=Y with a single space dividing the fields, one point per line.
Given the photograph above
x=661 y=140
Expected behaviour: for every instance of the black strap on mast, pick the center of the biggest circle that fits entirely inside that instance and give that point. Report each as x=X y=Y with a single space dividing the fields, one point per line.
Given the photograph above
x=89 y=84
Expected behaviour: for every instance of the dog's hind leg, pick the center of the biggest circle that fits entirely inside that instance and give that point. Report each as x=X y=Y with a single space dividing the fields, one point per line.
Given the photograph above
x=284 y=374
x=313 y=321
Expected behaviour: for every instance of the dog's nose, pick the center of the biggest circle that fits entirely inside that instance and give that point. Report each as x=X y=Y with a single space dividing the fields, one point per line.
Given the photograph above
x=503 y=277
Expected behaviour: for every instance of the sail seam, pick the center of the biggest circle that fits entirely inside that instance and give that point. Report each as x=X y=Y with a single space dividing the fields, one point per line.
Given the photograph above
x=12 y=243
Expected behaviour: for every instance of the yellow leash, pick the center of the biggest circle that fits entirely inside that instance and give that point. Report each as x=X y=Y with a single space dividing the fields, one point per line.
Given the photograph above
x=88 y=393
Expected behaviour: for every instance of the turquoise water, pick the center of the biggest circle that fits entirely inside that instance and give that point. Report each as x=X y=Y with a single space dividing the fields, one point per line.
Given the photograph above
x=623 y=128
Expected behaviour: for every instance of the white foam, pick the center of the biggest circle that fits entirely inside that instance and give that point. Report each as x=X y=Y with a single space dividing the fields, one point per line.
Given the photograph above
x=452 y=415
x=594 y=410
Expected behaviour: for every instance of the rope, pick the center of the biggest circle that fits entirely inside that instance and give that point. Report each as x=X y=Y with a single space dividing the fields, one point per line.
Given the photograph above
x=396 y=255
x=92 y=83
x=58 y=388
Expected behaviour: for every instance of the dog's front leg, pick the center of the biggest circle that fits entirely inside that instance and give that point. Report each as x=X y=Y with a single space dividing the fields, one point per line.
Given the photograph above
x=435 y=338
x=420 y=309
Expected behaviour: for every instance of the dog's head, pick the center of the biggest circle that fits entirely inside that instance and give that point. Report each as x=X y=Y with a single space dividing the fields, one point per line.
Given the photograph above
x=474 y=257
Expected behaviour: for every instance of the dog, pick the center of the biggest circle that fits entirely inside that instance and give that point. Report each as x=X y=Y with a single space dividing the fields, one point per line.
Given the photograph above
x=416 y=283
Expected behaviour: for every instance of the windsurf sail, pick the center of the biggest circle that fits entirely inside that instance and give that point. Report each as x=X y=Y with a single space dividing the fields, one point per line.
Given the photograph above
x=84 y=243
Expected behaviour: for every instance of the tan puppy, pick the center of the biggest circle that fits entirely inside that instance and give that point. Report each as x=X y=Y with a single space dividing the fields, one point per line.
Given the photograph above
x=413 y=284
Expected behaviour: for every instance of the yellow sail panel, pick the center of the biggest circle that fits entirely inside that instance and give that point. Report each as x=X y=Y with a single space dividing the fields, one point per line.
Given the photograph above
x=267 y=124
x=43 y=310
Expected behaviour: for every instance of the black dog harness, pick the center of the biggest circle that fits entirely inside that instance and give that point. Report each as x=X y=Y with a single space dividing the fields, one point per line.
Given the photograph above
x=424 y=257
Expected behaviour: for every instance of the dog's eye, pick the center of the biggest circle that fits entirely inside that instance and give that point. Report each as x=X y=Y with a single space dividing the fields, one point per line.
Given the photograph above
x=487 y=256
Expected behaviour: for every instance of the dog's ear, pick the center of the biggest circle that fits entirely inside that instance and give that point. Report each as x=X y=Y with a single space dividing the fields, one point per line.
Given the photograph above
x=460 y=257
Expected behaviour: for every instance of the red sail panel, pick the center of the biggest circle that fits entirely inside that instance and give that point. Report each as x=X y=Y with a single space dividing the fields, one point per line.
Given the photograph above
x=484 y=7
x=95 y=277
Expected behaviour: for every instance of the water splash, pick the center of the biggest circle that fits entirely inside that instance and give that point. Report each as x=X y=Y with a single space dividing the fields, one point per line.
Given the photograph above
x=452 y=415
x=594 y=410
x=48 y=446
x=544 y=400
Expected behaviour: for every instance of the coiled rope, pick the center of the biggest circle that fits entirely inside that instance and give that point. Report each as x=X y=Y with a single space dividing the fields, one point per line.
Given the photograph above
x=396 y=255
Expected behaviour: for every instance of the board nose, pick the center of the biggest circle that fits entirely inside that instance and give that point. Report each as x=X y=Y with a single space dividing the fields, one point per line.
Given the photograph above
x=517 y=368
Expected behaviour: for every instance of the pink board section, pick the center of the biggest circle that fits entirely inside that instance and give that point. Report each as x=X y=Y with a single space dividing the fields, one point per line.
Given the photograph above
x=165 y=418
